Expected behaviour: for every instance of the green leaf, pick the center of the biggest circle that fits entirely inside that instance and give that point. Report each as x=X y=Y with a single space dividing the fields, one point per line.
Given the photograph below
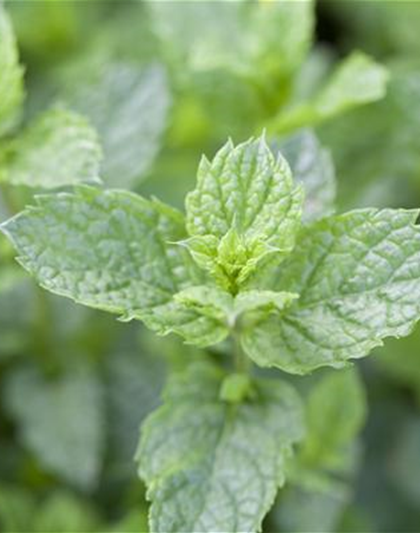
x=128 y=105
x=253 y=39
x=61 y=422
x=246 y=188
x=358 y=277
x=312 y=166
x=370 y=174
x=356 y=81
x=133 y=377
x=248 y=301
x=208 y=301
x=244 y=206
x=216 y=466
x=319 y=478
x=227 y=310
x=336 y=410
x=301 y=510
x=60 y=148
x=11 y=76
x=108 y=250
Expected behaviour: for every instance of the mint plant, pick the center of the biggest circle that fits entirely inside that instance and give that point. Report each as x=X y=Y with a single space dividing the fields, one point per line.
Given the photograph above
x=241 y=271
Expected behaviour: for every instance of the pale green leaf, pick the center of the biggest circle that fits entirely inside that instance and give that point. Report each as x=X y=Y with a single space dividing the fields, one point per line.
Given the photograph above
x=128 y=105
x=207 y=300
x=107 y=250
x=11 y=76
x=205 y=462
x=312 y=166
x=356 y=81
x=231 y=260
x=358 y=277
x=59 y=148
x=254 y=300
x=61 y=422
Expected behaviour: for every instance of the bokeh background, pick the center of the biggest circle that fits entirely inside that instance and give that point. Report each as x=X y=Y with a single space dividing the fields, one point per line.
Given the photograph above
x=164 y=82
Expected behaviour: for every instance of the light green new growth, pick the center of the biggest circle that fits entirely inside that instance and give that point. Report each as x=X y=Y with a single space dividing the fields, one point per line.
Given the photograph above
x=244 y=208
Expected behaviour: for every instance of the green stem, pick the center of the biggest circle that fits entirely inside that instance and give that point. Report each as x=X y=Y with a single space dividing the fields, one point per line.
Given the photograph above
x=42 y=334
x=241 y=361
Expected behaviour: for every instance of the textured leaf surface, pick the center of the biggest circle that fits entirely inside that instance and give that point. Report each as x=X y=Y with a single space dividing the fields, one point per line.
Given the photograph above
x=205 y=461
x=246 y=188
x=312 y=166
x=226 y=310
x=356 y=81
x=60 y=148
x=106 y=250
x=128 y=106
x=61 y=422
x=358 y=277
x=11 y=75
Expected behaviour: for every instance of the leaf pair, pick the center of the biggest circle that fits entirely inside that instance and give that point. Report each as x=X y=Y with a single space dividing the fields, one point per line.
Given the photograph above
x=298 y=298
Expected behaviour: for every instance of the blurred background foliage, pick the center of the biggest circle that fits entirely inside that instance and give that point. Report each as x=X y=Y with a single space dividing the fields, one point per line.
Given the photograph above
x=164 y=82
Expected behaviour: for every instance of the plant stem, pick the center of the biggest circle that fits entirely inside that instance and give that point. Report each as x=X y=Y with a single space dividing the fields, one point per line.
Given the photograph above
x=241 y=361
x=42 y=334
